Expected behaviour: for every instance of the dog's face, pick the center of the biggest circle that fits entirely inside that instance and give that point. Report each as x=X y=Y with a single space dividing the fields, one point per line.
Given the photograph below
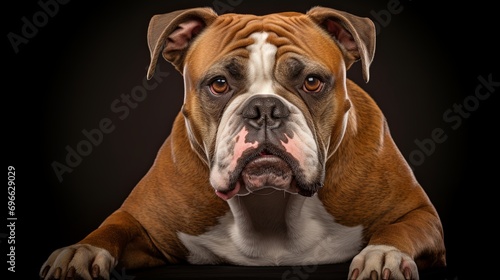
x=265 y=106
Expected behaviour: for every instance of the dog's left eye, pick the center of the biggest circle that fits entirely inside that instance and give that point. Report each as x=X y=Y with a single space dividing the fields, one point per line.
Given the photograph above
x=219 y=86
x=312 y=84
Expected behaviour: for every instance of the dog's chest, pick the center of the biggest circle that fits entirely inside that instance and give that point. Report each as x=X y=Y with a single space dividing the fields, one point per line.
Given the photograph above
x=275 y=229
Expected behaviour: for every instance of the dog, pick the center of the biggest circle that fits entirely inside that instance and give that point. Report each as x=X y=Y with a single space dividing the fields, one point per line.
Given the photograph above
x=275 y=158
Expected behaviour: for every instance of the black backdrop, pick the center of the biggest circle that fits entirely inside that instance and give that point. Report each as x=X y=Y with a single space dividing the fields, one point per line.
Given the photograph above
x=70 y=66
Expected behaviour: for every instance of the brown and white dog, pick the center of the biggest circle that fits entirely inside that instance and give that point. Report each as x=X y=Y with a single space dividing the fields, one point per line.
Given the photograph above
x=276 y=158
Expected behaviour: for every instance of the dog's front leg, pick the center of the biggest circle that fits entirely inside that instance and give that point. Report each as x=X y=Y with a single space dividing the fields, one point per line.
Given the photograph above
x=395 y=251
x=97 y=254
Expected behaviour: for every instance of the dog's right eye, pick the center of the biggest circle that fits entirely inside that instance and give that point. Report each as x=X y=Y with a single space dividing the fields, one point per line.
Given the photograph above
x=312 y=84
x=219 y=86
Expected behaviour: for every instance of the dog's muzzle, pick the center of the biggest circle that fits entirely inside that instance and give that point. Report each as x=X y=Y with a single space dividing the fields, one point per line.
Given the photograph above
x=265 y=152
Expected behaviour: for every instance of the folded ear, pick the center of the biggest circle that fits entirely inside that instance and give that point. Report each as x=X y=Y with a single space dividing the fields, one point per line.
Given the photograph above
x=355 y=35
x=171 y=34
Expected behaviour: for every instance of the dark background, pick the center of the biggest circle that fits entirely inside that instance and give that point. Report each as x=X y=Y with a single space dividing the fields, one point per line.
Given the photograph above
x=83 y=57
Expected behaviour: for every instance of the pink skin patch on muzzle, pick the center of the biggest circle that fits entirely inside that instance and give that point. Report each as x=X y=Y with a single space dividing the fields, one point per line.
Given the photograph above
x=293 y=149
x=240 y=147
x=265 y=171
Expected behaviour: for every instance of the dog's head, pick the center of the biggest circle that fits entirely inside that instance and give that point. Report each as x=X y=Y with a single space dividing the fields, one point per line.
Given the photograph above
x=266 y=102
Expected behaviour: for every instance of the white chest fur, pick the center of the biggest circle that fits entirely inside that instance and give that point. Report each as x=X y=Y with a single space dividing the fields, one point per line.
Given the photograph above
x=272 y=227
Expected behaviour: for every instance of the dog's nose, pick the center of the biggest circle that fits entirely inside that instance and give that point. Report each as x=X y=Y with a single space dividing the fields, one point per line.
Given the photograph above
x=267 y=112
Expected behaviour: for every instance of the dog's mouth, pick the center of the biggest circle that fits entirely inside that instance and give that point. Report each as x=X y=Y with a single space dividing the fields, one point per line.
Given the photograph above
x=264 y=170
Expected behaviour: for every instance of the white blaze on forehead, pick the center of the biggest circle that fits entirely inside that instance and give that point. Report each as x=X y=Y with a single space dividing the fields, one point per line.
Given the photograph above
x=261 y=64
x=260 y=76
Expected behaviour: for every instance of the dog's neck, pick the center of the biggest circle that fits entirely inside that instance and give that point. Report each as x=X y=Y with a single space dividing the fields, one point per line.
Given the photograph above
x=272 y=227
x=270 y=213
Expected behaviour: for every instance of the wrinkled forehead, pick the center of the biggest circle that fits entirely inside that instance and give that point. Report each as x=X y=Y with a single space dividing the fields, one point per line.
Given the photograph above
x=230 y=35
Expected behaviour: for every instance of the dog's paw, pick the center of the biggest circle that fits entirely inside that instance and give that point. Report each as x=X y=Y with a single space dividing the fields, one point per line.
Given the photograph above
x=79 y=261
x=382 y=262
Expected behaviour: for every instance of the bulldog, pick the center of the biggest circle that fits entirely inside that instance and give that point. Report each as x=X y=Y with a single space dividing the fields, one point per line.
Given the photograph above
x=275 y=158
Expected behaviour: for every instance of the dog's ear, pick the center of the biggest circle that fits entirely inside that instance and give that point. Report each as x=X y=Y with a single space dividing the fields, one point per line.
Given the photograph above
x=355 y=35
x=171 y=34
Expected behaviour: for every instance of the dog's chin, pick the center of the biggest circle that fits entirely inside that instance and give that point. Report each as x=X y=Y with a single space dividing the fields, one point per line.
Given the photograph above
x=269 y=172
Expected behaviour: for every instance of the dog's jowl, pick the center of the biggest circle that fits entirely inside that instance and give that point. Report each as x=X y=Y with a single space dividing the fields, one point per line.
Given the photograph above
x=275 y=158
